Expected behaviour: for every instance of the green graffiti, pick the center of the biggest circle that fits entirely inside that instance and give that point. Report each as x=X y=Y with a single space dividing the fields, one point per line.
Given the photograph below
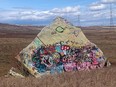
x=37 y=42
x=60 y=29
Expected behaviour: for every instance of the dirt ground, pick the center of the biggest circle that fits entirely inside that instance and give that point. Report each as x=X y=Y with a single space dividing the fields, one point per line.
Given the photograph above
x=12 y=43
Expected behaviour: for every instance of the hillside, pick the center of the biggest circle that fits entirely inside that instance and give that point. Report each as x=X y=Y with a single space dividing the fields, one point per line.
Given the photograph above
x=7 y=30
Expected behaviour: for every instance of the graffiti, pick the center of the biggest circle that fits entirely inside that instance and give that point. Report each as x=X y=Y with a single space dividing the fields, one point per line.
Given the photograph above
x=54 y=32
x=76 y=32
x=60 y=29
x=61 y=57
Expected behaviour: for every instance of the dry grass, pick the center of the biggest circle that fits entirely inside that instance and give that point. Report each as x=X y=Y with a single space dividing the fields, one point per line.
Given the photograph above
x=11 y=46
x=97 y=78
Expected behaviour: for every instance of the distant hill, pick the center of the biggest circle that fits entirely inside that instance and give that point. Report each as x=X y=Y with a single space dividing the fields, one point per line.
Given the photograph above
x=99 y=27
x=26 y=29
x=8 y=28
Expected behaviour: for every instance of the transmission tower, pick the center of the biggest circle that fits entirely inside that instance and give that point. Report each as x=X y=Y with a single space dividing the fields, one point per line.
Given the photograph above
x=111 y=17
x=79 y=20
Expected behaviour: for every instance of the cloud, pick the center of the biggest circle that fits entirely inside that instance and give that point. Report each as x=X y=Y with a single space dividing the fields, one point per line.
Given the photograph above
x=31 y=14
x=100 y=10
x=108 y=1
x=68 y=9
x=28 y=15
x=16 y=14
x=97 y=6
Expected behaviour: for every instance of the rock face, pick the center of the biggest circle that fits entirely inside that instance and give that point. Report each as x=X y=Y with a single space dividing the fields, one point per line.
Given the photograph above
x=60 y=47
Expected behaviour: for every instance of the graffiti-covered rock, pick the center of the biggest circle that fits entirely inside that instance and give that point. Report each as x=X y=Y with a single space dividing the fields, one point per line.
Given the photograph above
x=61 y=47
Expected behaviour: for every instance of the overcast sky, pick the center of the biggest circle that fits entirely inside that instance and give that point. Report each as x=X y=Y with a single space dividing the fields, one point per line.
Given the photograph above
x=42 y=12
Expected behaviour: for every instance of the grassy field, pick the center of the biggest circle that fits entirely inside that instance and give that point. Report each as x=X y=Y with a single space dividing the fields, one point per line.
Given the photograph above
x=12 y=43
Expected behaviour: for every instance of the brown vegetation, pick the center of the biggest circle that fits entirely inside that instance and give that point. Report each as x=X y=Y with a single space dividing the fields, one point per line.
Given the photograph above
x=96 y=78
x=11 y=43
